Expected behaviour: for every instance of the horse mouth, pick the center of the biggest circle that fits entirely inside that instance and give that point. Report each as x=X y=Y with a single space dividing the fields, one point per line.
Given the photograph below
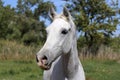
x=42 y=64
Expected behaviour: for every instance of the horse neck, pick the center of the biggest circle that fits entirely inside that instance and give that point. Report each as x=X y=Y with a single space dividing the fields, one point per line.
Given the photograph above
x=71 y=60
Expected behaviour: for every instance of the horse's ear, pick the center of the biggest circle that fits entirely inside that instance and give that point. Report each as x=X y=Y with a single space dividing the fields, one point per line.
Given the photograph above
x=52 y=12
x=66 y=13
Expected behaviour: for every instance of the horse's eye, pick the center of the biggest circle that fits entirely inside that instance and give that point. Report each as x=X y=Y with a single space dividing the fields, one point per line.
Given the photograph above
x=64 y=31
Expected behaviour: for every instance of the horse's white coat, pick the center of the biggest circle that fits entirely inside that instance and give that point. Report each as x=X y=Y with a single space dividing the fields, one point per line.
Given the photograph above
x=61 y=50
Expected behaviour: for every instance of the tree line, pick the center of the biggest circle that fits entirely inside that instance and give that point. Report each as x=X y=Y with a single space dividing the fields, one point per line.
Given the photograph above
x=95 y=19
x=22 y=23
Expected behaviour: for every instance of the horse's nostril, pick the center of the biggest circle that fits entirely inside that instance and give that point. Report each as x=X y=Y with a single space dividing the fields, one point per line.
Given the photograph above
x=44 y=58
x=37 y=59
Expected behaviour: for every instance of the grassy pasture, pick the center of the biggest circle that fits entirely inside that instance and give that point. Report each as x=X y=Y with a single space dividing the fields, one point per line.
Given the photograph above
x=19 y=70
x=102 y=70
x=17 y=62
x=28 y=70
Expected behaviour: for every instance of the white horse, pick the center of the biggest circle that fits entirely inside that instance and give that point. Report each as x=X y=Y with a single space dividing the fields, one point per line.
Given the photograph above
x=59 y=56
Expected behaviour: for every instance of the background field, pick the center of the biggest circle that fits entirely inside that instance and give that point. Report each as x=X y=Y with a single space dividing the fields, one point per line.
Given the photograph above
x=17 y=62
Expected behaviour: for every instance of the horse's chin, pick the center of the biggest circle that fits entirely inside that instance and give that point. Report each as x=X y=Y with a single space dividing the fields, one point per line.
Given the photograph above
x=45 y=67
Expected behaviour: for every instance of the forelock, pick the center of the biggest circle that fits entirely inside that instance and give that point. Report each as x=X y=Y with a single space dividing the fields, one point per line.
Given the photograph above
x=61 y=17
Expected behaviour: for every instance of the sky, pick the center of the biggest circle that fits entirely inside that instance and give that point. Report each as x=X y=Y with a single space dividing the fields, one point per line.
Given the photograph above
x=13 y=3
x=59 y=4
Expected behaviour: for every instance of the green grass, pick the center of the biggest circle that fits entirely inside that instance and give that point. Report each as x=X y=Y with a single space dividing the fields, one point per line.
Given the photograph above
x=28 y=70
x=102 y=70
x=19 y=70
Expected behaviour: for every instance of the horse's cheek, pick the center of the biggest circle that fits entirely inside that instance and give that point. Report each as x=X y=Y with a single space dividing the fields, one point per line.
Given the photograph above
x=66 y=47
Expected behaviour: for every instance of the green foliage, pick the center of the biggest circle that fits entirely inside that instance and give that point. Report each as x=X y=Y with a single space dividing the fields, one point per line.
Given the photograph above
x=1 y=3
x=6 y=17
x=23 y=23
x=42 y=10
x=29 y=29
x=96 y=20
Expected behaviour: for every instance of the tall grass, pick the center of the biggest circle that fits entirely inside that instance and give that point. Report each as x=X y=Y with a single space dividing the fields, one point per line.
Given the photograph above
x=104 y=53
x=15 y=50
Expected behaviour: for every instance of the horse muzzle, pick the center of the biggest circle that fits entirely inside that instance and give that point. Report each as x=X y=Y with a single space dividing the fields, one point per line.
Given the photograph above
x=43 y=63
